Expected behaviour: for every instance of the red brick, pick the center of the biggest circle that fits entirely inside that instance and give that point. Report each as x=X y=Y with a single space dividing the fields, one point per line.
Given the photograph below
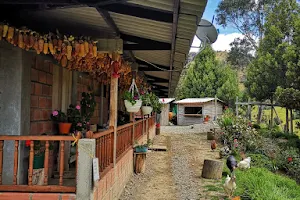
x=68 y=197
x=37 y=89
x=34 y=101
x=49 y=79
x=50 y=90
x=45 y=115
x=39 y=63
x=47 y=127
x=39 y=196
x=37 y=114
x=49 y=103
x=45 y=90
x=46 y=66
x=40 y=128
x=33 y=128
x=34 y=74
x=43 y=102
x=51 y=68
x=42 y=77
x=32 y=88
x=31 y=114
x=14 y=195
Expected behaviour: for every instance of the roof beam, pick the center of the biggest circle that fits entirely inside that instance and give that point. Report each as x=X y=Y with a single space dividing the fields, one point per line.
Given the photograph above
x=109 y=21
x=156 y=79
x=174 y=33
x=140 y=11
x=150 y=67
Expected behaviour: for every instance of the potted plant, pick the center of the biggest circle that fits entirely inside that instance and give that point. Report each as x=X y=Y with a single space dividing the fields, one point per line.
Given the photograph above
x=62 y=120
x=88 y=105
x=132 y=102
x=74 y=116
x=146 y=108
x=157 y=106
x=142 y=148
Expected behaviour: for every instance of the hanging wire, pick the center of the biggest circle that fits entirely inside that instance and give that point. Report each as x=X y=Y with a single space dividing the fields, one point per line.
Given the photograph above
x=167 y=70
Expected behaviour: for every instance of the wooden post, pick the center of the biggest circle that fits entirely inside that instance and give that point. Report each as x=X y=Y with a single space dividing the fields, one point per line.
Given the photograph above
x=215 y=108
x=212 y=169
x=237 y=106
x=292 y=128
x=139 y=160
x=287 y=119
x=113 y=111
x=101 y=103
x=272 y=115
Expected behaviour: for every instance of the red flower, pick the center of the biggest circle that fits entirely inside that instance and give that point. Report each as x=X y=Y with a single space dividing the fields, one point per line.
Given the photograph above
x=290 y=159
x=158 y=125
x=27 y=143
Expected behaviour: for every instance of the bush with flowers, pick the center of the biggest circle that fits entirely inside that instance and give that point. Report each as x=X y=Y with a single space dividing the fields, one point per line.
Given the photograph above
x=59 y=116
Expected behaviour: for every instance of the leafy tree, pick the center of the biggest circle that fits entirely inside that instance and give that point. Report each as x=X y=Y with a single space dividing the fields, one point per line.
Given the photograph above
x=289 y=97
x=277 y=59
x=241 y=53
x=206 y=77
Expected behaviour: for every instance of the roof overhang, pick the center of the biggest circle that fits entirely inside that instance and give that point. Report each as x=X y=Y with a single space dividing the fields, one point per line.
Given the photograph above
x=157 y=34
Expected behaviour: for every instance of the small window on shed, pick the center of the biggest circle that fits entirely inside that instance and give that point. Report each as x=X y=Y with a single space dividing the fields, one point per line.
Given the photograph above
x=193 y=110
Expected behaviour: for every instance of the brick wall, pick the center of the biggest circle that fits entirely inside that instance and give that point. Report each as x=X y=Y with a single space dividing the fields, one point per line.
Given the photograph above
x=112 y=184
x=83 y=84
x=41 y=96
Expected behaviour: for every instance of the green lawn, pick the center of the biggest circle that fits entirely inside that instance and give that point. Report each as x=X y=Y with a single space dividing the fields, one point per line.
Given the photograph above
x=281 y=113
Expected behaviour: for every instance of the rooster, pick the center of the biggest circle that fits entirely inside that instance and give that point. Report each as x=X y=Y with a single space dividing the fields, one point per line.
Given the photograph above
x=230 y=185
x=231 y=163
x=213 y=145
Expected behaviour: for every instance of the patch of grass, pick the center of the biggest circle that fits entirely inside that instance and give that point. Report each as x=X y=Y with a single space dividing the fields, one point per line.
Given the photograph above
x=261 y=184
x=213 y=188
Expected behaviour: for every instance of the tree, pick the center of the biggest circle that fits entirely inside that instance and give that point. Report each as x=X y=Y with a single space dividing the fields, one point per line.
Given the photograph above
x=241 y=53
x=206 y=77
x=277 y=59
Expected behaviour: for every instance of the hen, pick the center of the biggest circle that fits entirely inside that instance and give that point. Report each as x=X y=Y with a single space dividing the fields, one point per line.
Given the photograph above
x=230 y=185
x=213 y=145
x=245 y=163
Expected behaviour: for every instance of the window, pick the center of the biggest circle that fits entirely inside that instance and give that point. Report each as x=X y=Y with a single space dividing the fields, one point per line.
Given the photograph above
x=193 y=110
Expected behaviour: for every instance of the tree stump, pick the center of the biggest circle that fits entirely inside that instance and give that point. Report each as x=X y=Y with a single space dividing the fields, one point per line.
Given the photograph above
x=139 y=162
x=212 y=169
x=210 y=135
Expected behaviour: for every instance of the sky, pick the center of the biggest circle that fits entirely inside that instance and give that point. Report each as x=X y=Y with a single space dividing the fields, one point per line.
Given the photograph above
x=225 y=37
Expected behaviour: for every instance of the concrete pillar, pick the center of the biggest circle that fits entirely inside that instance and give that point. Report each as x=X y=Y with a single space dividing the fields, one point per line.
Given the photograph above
x=15 y=87
x=84 y=182
x=113 y=112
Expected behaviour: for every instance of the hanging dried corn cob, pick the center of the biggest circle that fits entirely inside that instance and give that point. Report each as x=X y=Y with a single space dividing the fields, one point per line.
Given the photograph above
x=95 y=48
x=81 y=51
x=46 y=45
x=16 y=37
x=77 y=48
x=10 y=34
x=59 y=44
x=69 y=51
x=5 y=30
x=26 y=40
x=51 y=48
x=36 y=43
x=64 y=61
x=41 y=44
x=31 y=39
x=20 y=40
x=86 y=47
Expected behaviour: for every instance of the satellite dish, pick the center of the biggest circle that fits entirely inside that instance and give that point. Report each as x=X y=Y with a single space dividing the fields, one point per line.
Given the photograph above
x=206 y=33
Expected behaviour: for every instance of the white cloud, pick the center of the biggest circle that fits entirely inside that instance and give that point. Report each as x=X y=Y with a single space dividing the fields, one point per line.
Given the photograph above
x=222 y=43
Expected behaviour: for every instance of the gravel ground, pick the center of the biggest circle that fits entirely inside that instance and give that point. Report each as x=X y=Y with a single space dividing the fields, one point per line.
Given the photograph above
x=176 y=174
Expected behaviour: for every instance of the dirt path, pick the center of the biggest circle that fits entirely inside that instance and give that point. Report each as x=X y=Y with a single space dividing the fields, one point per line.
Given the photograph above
x=176 y=174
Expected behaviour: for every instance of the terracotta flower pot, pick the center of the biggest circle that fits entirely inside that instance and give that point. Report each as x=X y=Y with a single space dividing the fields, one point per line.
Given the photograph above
x=64 y=128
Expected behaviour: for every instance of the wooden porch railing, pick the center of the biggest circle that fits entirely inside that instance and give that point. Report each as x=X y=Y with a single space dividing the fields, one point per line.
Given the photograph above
x=30 y=187
x=104 y=152
x=105 y=149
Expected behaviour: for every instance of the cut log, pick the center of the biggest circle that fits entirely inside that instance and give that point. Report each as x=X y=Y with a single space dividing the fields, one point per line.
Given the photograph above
x=212 y=169
x=139 y=162
x=210 y=135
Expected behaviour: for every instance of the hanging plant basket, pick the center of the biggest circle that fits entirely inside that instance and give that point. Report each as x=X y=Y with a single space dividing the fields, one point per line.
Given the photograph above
x=147 y=110
x=133 y=108
x=133 y=105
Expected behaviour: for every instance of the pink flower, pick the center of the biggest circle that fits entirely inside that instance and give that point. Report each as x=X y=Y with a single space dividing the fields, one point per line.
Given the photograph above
x=79 y=124
x=78 y=107
x=235 y=141
x=135 y=98
x=55 y=113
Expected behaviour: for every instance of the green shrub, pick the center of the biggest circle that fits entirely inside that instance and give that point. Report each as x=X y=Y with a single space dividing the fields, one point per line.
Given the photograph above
x=261 y=184
x=262 y=161
x=256 y=126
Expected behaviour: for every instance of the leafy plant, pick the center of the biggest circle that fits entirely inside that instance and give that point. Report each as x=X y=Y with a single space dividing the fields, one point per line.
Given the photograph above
x=146 y=98
x=147 y=144
x=88 y=105
x=75 y=117
x=131 y=98
x=59 y=116
x=157 y=106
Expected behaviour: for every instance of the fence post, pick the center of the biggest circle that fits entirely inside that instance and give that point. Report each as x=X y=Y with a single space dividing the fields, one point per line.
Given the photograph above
x=84 y=182
x=113 y=111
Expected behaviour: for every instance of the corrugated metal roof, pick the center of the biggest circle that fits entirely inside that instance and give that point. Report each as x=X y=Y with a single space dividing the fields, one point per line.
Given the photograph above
x=196 y=100
x=166 y=100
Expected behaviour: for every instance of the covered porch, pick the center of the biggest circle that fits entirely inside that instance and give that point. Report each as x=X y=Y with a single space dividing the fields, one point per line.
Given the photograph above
x=150 y=39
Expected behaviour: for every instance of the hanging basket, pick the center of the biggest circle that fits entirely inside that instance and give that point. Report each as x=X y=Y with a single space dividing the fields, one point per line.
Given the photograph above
x=147 y=110
x=138 y=103
x=133 y=108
